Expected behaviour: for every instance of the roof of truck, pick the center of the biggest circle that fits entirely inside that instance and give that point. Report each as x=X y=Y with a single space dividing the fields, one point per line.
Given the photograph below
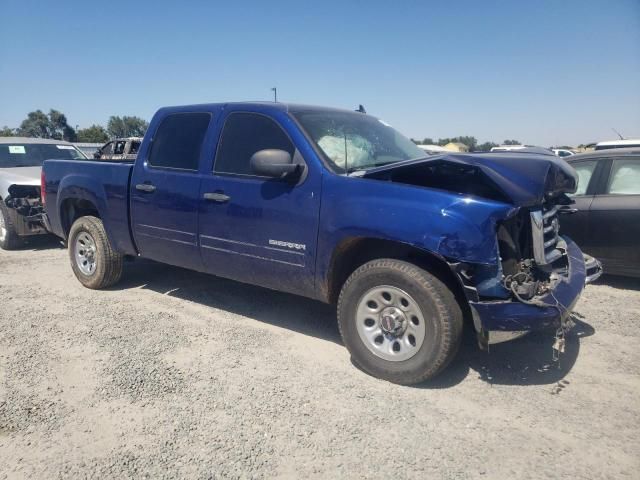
x=285 y=107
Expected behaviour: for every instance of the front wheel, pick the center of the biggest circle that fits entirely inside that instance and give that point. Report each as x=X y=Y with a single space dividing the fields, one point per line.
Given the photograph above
x=399 y=322
x=94 y=262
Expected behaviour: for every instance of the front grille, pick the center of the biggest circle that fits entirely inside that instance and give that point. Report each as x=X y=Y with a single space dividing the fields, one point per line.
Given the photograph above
x=544 y=229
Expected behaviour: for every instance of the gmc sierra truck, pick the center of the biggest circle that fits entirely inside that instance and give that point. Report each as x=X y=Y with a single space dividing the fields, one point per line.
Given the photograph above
x=337 y=206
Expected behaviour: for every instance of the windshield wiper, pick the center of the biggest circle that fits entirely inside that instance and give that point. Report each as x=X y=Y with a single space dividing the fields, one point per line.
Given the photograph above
x=370 y=166
x=362 y=169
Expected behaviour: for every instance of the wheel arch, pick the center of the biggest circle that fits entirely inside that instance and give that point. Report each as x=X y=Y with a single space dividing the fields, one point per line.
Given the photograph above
x=72 y=208
x=353 y=252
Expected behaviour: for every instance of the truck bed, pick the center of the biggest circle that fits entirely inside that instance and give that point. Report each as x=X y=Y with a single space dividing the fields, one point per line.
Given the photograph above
x=104 y=184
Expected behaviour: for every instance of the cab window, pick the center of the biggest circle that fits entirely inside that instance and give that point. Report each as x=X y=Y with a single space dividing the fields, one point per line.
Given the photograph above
x=245 y=134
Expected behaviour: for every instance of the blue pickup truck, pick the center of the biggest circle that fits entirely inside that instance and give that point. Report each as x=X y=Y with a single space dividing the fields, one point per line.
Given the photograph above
x=337 y=206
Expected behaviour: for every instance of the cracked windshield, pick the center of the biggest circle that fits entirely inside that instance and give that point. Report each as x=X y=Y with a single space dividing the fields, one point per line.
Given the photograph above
x=356 y=141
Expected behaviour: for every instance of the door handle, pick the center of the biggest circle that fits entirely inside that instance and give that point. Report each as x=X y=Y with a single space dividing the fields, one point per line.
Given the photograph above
x=145 y=187
x=217 y=197
x=567 y=210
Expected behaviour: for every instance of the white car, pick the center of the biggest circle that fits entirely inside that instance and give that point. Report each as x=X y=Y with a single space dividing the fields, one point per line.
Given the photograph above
x=508 y=148
x=562 y=152
x=20 y=166
x=626 y=143
x=433 y=149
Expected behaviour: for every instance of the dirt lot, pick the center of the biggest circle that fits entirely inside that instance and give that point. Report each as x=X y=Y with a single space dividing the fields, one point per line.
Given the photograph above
x=174 y=374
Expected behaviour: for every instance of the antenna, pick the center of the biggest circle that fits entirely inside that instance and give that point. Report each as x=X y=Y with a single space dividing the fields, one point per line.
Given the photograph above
x=618 y=133
x=275 y=94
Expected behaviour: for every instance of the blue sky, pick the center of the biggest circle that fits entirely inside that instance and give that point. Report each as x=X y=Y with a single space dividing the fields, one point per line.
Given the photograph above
x=543 y=72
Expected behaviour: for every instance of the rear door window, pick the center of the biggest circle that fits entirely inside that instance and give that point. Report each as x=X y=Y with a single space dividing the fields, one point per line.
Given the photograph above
x=625 y=177
x=119 y=147
x=178 y=141
x=135 y=146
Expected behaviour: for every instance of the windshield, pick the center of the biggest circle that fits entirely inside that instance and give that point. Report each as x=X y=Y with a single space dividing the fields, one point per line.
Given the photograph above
x=355 y=141
x=33 y=154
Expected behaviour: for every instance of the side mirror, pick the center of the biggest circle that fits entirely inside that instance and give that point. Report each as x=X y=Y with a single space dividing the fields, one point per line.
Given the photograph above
x=96 y=155
x=274 y=163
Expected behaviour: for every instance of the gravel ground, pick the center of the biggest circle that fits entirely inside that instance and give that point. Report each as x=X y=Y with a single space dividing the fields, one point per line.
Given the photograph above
x=174 y=374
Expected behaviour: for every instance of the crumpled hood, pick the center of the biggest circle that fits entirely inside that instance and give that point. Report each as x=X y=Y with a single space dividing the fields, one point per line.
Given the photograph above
x=521 y=179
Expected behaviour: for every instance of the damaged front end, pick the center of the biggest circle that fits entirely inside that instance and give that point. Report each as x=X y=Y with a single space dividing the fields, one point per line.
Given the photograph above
x=25 y=209
x=537 y=282
x=533 y=277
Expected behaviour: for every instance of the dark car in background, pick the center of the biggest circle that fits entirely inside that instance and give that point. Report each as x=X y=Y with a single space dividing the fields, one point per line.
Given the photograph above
x=607 y=223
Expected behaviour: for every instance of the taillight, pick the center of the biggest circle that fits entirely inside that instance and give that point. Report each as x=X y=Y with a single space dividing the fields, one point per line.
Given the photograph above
x=43 y=190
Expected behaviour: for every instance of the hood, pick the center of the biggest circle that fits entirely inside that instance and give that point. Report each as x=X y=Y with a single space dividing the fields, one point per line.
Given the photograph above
x=520 y=179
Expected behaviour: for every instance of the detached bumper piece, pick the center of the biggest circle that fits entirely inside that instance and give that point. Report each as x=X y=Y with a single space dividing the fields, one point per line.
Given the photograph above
x=503 y=320
x=30 y=224
x=594 y=269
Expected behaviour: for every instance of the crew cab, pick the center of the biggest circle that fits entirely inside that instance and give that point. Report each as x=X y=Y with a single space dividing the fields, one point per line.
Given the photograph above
x=337 y=206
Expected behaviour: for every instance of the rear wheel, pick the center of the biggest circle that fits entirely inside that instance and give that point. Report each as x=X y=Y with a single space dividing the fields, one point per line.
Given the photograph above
x=94 y=262
x=9 y=239
x=399 y=322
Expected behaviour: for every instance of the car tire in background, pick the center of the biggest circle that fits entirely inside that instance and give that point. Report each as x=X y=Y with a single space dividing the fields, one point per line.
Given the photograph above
x=398 y=321
x=94 y=262
x=9 y=239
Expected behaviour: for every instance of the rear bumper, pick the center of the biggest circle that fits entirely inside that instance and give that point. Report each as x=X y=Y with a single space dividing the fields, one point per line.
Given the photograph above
x=507 y=319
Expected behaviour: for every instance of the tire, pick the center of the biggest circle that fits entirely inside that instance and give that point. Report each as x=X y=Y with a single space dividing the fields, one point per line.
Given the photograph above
x=93 y=260
x=410 y=302
x=9 y=239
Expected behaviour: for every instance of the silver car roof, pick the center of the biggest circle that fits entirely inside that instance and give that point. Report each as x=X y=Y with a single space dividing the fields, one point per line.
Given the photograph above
x=608 y=152
x=28 y=140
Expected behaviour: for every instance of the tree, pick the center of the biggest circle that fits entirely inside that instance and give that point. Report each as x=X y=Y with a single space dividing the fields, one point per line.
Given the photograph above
x=126 y=126
x=54 y=125
x=7 y=132
x=93 y=134
x=36 y=125
x=511 y=142
x=425 y=141
x=60 y=127
x=470 y=142
x=486 y=147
